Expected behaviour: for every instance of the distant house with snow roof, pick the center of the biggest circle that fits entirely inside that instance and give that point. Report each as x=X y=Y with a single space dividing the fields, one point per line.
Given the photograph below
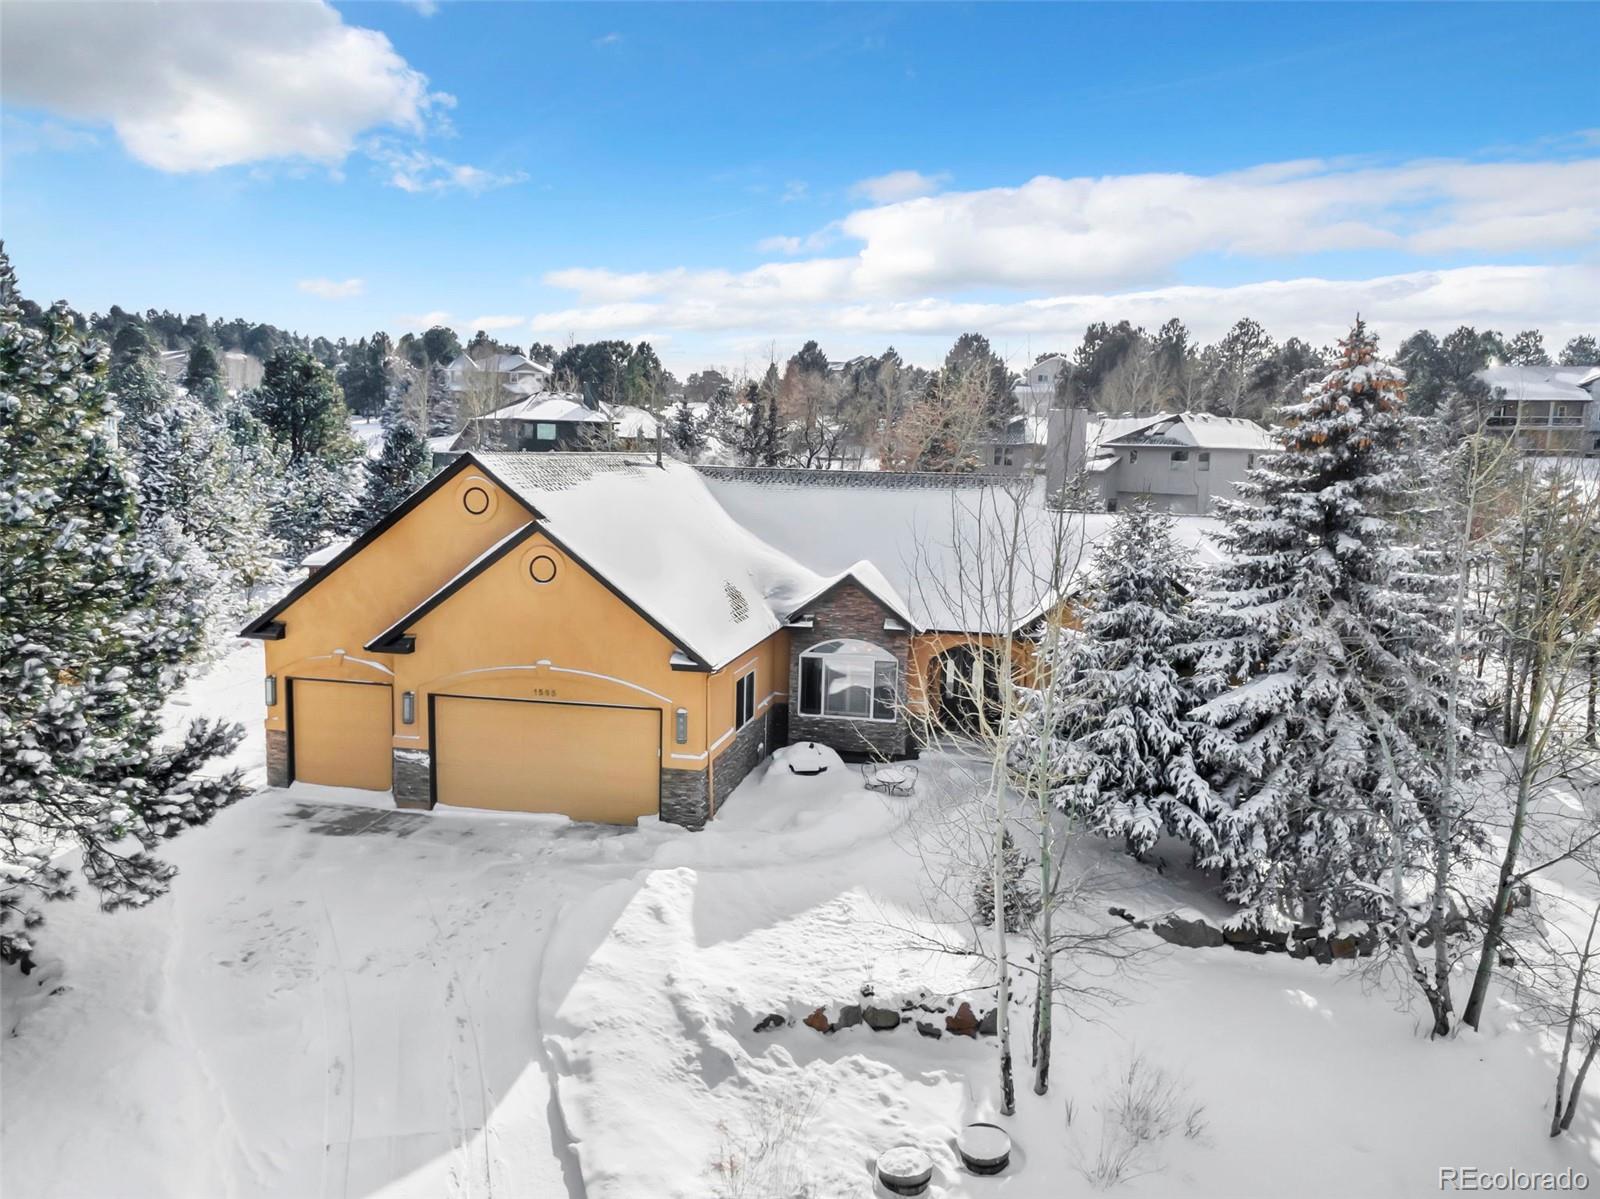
x=505 y=374
x=1178 y=462
x=1545 y=409
x=602 y=636
x=543 y=421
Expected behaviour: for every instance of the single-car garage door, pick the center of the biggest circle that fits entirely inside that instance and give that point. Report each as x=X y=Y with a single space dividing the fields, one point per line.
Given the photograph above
x=343 y=733
x=582 y=760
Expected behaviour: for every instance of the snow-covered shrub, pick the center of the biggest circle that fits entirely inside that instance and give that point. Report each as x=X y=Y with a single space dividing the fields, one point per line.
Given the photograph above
x=1146 y=1106
x=767 y=1158
x=1021 y=894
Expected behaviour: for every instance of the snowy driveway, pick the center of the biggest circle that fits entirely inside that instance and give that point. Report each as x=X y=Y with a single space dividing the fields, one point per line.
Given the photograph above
x=341 y=1000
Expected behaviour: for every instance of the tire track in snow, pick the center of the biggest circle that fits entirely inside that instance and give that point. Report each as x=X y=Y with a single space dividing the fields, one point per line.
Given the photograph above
x=339 y=1069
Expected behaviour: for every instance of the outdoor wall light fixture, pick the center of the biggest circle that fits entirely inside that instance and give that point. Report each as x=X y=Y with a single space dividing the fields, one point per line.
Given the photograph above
x=272 y=690
x=408 y=707
x=681 y=726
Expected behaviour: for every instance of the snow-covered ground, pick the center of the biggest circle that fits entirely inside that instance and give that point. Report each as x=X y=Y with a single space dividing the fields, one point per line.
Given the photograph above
x=338 y=999
x=369 y=432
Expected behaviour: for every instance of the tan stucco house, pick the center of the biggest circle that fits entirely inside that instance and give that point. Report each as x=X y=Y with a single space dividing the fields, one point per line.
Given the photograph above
x=603 y=636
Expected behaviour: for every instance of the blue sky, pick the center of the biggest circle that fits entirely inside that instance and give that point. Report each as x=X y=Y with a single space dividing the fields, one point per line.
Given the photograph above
x=727 y=180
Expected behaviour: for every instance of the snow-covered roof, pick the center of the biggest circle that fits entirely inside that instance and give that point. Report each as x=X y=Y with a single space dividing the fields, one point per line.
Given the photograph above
x=871 y=580
x=549 y=406
x=1563 y=384
x=1184 y=428
x=656 y=535
x=321 y=557
x=631 y=421
x=1591 y=378
x=937 y=540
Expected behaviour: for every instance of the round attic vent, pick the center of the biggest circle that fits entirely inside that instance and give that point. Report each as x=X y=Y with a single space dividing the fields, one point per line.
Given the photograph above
x=542 y=568
x=475 y=500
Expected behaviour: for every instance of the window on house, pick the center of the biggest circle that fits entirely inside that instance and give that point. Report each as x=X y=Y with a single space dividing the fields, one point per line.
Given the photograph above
x=997 y=455
x=1133 y=456
x=744 y=700
x=1250 y=462
x=1205 y=460
x=853 y=680
x=544 y=432
x=1177 y=457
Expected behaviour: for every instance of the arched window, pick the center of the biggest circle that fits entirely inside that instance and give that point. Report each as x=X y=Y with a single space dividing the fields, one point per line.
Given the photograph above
x=852 y=680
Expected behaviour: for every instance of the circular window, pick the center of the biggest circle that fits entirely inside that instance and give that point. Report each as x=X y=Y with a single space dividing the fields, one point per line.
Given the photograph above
x=475 y=500
x=542 y=568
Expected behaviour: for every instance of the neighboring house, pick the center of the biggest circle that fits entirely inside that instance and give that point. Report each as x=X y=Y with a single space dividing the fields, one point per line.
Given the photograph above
x=1545 y=409
x=515 y=374
x=601 y=636
x=240 y=371
x=1016 y=450
x=1178 y=462
x=558 y=421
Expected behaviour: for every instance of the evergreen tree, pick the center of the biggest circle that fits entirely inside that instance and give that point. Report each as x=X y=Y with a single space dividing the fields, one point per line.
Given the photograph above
x=1324 y=653
x=1131 y=746
x=317 y=501
x=771 y=423
x=752 y=434
x=203 y=374
x=685 y=432
x=1582 y=350
x=95 y=634
x=1527 y=349
x=299 y=403
x=1018 y=891
x=403 y=466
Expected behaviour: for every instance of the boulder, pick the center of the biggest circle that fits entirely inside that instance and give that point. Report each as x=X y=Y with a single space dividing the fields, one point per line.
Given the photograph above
x=990 y=1024
x=1190 y=934
x=1305 y=932
x=881 y=1019
x=1320 y=951
x=849 y=1016
x=1345 y=946
x=962 y=1022
x=770 y=1022
x=1123 y=913
x=1240 y=938
x=868 y=991
x=819 y=1021
x=928 y=1029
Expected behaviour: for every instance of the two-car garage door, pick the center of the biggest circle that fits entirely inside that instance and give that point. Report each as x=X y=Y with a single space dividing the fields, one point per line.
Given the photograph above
x=586 y=761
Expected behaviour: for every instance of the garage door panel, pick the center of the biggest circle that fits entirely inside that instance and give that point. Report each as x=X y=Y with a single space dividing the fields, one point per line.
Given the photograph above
x=581 y=760
x=343 y=733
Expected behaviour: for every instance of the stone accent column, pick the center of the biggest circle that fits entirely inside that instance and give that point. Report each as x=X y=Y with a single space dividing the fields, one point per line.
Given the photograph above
x=737 y=759
x=413 y=779
x=277 y=757
x=685 y=798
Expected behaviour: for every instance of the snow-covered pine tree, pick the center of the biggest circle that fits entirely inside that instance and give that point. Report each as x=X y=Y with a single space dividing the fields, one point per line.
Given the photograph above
x=1131 y=749
x=403 y=465
x=443 y=405
x=684 y=431
x=1019 y=892
x=1324 y=651
x=95 y=634
x=317 y=501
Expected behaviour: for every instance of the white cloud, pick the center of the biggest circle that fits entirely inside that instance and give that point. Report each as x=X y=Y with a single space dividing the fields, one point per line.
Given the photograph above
x=193 y=87
x=416 y=170
x=607 y=39
x=332 y=289
x=898 y=185
x=493 y=324
x=426 y=320
x=1052 y=254
x=1558 y=299
x=424 y=8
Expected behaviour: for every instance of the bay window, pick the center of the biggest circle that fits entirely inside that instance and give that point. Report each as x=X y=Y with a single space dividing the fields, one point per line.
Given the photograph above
x=850 y=679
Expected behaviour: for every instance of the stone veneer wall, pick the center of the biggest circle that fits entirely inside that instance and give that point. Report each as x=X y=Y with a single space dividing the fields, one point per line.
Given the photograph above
x=413 y=778
x=684 y=798
x=277 y=757
x=850 y=611
x=739 y=757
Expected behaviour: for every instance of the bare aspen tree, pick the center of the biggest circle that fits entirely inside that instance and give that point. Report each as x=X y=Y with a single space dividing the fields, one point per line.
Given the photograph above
x=1557 y=618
